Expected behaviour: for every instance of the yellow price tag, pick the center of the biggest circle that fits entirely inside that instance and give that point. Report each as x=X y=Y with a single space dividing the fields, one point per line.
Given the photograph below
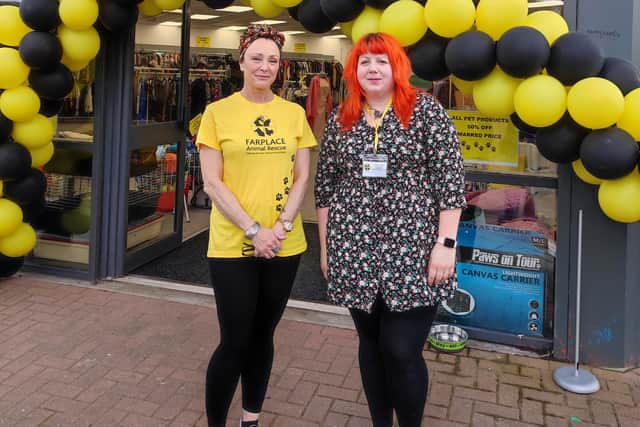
x=194 y=124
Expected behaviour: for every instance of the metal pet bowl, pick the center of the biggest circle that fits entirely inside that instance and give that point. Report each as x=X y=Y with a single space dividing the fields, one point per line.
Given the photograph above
x=448 y=338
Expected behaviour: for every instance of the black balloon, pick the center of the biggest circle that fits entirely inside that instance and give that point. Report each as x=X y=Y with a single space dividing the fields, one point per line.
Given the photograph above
x=378 y=4
x=10 y=266
x=52 y=84
x=622 y=73
x=427 y=57
x=41 y=15
x=471 y=55
x=312 y=17
x=6 y=126
x=293 y=12
x=127 y=2
x=561 y=141
x=28 y=189
x=521 y=125
x=217 y=4
x=575 y=56
x=50 y=107
x=15 y=161
x=609 y=153
x=116 y=16
x=40 y=50
x=343 y=10
x=522 y=52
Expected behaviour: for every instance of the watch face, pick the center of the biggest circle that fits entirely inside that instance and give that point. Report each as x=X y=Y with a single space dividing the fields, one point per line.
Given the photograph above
x=450 y=243
x=288 y=226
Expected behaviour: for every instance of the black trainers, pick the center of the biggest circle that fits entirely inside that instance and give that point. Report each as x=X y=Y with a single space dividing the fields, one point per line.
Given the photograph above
x=249 y=423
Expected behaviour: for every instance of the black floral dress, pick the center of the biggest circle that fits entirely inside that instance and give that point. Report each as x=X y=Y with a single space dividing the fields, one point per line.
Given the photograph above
x=380 y=231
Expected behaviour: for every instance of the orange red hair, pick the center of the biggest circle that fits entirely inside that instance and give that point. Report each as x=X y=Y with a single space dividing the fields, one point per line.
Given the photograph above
x=404 y=97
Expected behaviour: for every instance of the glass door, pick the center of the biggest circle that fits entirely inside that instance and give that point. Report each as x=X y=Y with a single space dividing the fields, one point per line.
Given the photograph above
x=156 y=197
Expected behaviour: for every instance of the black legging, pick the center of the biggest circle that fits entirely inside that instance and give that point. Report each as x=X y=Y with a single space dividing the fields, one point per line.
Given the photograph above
x=394 y=373
x=251 y=295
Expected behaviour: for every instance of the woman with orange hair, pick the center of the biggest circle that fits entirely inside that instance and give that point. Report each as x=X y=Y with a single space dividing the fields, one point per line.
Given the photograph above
x=389 y=192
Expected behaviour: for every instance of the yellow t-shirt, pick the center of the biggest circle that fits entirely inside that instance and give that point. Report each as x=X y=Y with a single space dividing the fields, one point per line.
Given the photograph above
x=258 y=144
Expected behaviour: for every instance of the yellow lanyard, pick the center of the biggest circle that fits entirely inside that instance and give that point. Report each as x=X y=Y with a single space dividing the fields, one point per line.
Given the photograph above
x=376 y=124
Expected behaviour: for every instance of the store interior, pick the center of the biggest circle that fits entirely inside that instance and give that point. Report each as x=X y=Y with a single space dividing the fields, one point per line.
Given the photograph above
x=213 y=74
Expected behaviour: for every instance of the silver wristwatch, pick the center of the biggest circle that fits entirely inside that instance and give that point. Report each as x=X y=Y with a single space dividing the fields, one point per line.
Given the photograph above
x=251 y=232
x=287 y=225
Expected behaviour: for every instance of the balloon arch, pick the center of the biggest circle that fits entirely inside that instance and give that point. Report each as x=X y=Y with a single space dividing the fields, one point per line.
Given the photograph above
x=584 y=107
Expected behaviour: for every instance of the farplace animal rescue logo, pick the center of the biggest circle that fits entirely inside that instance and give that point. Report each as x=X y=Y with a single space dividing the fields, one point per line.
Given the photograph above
x=265 y=142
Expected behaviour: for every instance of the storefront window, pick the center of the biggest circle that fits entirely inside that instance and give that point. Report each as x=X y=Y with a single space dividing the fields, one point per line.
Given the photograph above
x=507 y=234
x=507 y=252
x=65 y=222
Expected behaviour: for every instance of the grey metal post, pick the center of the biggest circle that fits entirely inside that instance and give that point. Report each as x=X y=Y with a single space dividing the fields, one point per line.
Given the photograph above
x=114 y=72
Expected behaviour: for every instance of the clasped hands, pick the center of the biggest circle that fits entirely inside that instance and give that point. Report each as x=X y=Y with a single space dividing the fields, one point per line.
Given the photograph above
x=268 y=242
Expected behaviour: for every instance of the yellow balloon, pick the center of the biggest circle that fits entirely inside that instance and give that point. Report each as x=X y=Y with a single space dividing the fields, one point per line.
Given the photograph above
x=549 y=23
x=449 y=18
x=34 y=133
x=79 y=45
x=169 y=4
x=287 y=3
x=346 y=28
x=595 y=103
x=20 y=242
x=405 y=21
x=540 y=101
x=41 y=156
x=493 y=95
x=78 y=14
x=630 y=119
x=463 y=86
x=495 y=17
x=266 y=8
x=149 y=8
x=367 y=22
x=74 y=65
x=20 y=103
x=13 y=28
x=13 y=72
x=619 y=199
x=10 y=217
x=582 y=173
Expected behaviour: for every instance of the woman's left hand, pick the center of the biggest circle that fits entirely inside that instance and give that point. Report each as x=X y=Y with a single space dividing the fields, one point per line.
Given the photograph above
x=442 y=264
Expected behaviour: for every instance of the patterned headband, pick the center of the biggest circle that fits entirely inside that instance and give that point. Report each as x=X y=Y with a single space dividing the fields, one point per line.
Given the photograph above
x=260 y=31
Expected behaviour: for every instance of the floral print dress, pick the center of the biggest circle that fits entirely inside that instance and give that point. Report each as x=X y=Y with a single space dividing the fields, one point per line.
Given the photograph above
x=380 y=231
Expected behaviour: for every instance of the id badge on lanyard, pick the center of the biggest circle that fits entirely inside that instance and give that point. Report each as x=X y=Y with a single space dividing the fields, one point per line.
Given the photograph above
x=375 y=165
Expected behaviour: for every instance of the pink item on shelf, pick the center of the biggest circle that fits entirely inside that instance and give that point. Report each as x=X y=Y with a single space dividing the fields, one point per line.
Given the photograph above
x=508 y=203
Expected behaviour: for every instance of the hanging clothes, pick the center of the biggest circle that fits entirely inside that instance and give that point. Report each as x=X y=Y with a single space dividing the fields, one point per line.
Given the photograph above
x=319 y=104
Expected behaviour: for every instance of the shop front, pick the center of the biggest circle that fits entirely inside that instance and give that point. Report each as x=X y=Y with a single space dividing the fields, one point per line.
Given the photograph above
x=125 y=194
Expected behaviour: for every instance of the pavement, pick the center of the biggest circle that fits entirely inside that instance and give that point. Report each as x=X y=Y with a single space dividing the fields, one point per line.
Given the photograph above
x=114 y=354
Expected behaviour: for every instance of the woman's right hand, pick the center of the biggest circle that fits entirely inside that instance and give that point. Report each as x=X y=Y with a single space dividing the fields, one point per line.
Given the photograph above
x=324 y=266
x=266 y=243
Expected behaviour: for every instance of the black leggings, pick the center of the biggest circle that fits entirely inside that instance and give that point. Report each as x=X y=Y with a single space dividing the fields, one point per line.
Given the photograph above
x=394 y=373
x=251 y=295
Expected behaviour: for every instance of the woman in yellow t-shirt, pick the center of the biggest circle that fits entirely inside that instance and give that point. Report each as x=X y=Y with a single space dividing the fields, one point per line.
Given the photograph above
x=254 y=150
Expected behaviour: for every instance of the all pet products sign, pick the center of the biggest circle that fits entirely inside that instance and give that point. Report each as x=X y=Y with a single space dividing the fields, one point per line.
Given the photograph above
x=486 y=140
x=503 y=275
